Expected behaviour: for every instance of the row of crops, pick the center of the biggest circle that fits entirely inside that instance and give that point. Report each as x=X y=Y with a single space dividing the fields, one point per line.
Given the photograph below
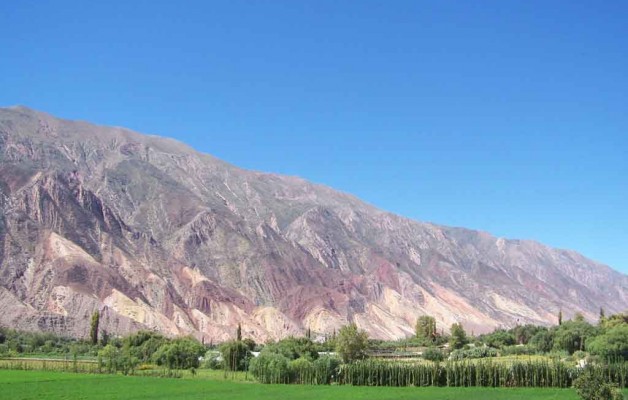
x=542 y=374
x=452 y=374
x=73 y=365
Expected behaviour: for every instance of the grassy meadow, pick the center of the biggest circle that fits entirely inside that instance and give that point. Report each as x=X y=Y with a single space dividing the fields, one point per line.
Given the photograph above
x=47 y=385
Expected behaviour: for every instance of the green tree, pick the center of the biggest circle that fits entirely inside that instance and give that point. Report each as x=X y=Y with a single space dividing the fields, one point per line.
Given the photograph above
x=293 y=348
x=144 y=344
x=181 y=353
x=351 y=343
x=239 y=333
x=614 y=320
x=270 y=367
x=426 y=328
x=235 y=355
x=433 y=354
x=498 y=339
x=571 y=335
x=458 y=336
x=613 y=344
x=93 y=331
x=523 y=333
x=117 y=359
x=592 y=385
x=543 y=340
x=560 y=317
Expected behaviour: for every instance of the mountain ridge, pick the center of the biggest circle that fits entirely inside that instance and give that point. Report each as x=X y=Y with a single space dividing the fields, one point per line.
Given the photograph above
x=158 y=235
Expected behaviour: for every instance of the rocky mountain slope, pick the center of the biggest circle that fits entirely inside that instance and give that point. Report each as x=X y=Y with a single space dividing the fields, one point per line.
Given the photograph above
x=156 y=235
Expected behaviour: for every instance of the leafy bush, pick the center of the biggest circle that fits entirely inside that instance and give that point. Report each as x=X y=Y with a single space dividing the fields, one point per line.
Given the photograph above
x=213 y=360
x=144 y=344
x=301 y=370
x=235 y=355
x=613 y=344
x=351 y=343
x=180 y=353
x=477 y=352
x=117 y=360
x=270 y=367
x=591 y=385
x=326 y=369
x=293 y=348
x=433 y=354
x=498 y=339
x=520 y=350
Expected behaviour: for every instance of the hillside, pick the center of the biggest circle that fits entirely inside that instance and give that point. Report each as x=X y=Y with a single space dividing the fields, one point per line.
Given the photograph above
x=156 y=235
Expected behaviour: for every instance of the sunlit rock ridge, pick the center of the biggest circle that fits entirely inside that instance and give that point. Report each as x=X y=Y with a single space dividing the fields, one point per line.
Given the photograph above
x=156 y=235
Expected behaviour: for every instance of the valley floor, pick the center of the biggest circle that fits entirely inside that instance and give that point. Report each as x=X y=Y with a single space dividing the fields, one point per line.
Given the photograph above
x=45 y=385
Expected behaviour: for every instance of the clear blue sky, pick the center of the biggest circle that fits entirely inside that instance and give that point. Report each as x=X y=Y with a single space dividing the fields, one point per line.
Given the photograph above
x=504 y=116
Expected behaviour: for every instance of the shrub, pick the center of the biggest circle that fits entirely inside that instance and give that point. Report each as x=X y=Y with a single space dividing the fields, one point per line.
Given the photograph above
x=326 y=369
x=477 y=352
x=351 y=343
x=301 y=370
x=213 y=360
x=613 y=344
x=520 y=350
x=180 y=353
x=235 y=355
x=293 y=348
x=591 y=385
x=433 y=354
x=270 y=367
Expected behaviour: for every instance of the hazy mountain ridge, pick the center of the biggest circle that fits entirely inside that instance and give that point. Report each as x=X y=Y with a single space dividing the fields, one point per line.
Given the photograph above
x=157 y=235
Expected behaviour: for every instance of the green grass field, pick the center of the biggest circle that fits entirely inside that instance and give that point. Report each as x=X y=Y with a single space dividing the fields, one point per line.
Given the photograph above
x=36 y=385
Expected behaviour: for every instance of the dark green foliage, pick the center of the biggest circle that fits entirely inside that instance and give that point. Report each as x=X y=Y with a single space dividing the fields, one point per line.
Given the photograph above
x=612 y=344
x=93 y=328
x=236 y=355
x=239 y=333
x=498 y=338
x=458 y=336
x=593 y=385
x=213 y=360
x=18 y=342
x=250 y=344
x=571 y=335
x=518 y=350
x=523 y=333
x=302 y=370
x=116 y=359
x=144 y=344
x=543 y=341
x=426 y=328
x=104 y=338
x=270 y=367
x=182 y=353
x=614 y=320
x=326 y=369
x=471 y=373
x=351 y=343
x=476 y=352
x=433 y=354
x=293 y=348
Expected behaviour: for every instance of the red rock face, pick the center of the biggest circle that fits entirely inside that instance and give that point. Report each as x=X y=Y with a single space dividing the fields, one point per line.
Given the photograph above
x=158 y=236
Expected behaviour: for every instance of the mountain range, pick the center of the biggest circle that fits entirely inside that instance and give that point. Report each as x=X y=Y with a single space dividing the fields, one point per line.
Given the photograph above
x=155 y=235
